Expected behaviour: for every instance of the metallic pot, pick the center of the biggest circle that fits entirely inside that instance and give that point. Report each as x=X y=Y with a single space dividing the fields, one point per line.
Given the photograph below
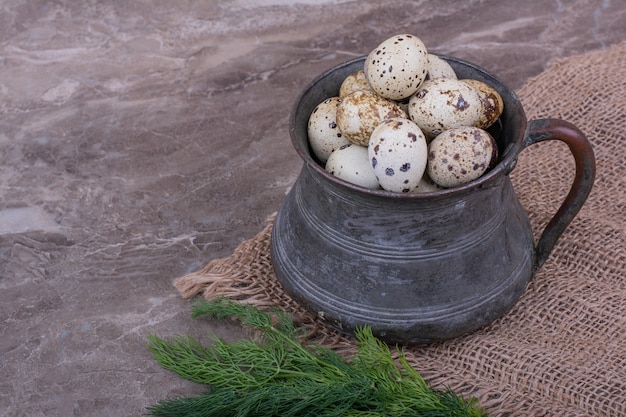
x=417 y=268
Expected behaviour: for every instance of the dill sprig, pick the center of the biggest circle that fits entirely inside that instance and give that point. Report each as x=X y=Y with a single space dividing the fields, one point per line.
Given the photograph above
x=277 y=375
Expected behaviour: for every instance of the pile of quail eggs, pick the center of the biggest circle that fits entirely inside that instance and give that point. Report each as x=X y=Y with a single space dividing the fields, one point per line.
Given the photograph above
x=406 y=123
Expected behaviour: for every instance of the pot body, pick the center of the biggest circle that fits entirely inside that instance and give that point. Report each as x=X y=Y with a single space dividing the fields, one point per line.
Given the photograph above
x=416 y=268
x=413 y=270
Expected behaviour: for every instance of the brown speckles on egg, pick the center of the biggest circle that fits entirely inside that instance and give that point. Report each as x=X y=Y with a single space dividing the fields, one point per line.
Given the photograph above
x=354 y=82
x=392 y=77
x=495 y=155
x=360 y=112
x=323 y=133
x=461 y=104
x=491 y=102
x=444 y=103
x=398 y=152
x=395 y=112
x=472 y=151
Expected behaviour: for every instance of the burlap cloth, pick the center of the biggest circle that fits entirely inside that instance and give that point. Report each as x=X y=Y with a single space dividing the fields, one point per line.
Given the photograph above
x=561 y=350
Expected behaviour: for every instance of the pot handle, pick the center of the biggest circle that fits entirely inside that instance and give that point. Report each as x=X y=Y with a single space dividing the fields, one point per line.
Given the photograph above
x=554 y=129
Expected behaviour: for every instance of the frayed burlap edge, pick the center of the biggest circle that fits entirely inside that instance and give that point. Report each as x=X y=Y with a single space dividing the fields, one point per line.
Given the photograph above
x=230 y=279
x=247 y=276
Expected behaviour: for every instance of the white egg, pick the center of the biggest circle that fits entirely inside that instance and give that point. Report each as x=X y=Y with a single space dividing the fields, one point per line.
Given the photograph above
x=439 y=68
x=351 y=163
x=396 y=68
x=360 y=112
x=354 y=82
x=444 y=103
x=398 y=154
x=460 y=155
x=324 y=135
x=491 y=101
x=426 y=185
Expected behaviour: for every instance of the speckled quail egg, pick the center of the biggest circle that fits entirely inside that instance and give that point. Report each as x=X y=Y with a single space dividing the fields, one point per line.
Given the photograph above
x=354 y=82
x=439 y=68
x=361 y=111
x=492 y=104
x=351 y=163
x=397 y=66
x=444 y=103
x=324 y=135
x=426 y=185
x=460 y=155
x=398 y=154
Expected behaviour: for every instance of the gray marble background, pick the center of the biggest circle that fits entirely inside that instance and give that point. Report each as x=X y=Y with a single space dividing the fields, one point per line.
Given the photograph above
x=141 y=139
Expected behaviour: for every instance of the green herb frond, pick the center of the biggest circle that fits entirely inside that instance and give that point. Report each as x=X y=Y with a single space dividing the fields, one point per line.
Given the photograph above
x=267 y=322
x=281 y=377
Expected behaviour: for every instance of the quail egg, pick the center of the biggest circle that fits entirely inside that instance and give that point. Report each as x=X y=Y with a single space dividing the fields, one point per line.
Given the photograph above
x=492 y=104
x=444 y=103
x=324 y=135
x=460 y=155
x=361 y=111
x=398 y=154
x=439 y=68
x=351 y=163
x=426 y=185
x=396 y=67
x=354 y=82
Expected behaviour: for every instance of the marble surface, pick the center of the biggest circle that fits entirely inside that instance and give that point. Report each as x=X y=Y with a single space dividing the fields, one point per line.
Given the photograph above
x=140 y=140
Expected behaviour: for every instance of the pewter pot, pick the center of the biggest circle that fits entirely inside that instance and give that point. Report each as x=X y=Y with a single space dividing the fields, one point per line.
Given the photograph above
x=417 y=268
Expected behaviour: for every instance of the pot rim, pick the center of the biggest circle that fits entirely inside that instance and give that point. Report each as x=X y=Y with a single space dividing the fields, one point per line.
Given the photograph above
x=505 y=165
